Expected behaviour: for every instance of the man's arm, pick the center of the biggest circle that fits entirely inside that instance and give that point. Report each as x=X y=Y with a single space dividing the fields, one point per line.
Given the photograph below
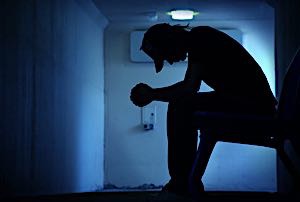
x=142 y=94
x=190 y=84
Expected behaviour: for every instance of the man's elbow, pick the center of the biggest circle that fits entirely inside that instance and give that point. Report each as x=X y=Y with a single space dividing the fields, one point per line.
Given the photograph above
x=192 y=87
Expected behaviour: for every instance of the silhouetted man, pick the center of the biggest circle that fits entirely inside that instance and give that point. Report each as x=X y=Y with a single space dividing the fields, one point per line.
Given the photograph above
x=238 y=82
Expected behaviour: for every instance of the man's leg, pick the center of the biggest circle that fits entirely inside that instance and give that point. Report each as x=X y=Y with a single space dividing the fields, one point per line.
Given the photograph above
x=182 y=136
x=182 y=139
x=205 y=149
x=182 y=144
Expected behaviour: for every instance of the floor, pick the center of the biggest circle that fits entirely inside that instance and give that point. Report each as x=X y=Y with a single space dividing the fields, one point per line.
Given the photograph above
x=154 y=196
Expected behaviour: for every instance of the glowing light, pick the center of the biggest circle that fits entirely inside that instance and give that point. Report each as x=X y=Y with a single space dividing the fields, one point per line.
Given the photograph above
x=182 y=14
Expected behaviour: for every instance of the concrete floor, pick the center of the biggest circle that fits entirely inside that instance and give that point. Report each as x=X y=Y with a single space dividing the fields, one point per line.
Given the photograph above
x=154 y=196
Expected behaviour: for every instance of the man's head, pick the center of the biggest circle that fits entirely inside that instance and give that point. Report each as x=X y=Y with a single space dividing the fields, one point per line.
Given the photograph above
x=159 y=43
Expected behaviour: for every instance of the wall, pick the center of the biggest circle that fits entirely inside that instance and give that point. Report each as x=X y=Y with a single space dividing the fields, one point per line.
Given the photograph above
x=287 y=43
x=52 y=100
x=134 y=157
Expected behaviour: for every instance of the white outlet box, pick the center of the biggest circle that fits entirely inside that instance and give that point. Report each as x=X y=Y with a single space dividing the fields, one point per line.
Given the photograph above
x=149 y=117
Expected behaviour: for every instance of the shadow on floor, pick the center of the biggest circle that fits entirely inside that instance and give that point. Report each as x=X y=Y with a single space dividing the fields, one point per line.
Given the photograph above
x=154 y=196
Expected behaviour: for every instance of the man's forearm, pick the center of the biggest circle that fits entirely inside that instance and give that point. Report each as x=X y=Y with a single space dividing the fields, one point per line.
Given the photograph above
x=169 y=93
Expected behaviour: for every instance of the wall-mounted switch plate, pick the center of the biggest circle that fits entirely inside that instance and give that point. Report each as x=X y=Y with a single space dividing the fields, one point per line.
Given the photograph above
x=149 y=117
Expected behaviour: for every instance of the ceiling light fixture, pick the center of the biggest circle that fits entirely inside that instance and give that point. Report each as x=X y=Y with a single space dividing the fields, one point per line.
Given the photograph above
x=182 y=14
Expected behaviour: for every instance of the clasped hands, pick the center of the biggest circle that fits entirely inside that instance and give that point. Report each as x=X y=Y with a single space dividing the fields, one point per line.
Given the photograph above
x=141 y=95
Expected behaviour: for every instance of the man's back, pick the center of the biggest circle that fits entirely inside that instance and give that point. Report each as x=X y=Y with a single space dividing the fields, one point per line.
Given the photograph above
x=226 y=66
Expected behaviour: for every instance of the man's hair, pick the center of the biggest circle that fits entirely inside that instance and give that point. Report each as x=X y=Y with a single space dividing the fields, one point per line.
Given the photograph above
x=160 y=35
x=158 y=39
x=181 y=27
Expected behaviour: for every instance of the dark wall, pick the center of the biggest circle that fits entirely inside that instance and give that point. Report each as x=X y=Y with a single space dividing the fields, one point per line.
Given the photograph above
x=287 y=42
x=51 y=96
x=287 y=35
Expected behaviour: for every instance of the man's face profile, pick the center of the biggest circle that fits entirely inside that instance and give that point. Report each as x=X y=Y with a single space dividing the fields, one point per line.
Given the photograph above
x=156 y=54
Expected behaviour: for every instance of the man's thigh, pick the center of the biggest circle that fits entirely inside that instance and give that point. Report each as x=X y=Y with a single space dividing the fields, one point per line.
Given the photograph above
x=214 y=102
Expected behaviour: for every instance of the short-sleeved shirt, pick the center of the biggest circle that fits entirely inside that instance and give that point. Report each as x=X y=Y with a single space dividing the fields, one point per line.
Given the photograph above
x=226 y=66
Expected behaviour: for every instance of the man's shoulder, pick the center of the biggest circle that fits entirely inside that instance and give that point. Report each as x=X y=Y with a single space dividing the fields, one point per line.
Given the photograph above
x=203 y=34
x=202 y=29
x=201 y=37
